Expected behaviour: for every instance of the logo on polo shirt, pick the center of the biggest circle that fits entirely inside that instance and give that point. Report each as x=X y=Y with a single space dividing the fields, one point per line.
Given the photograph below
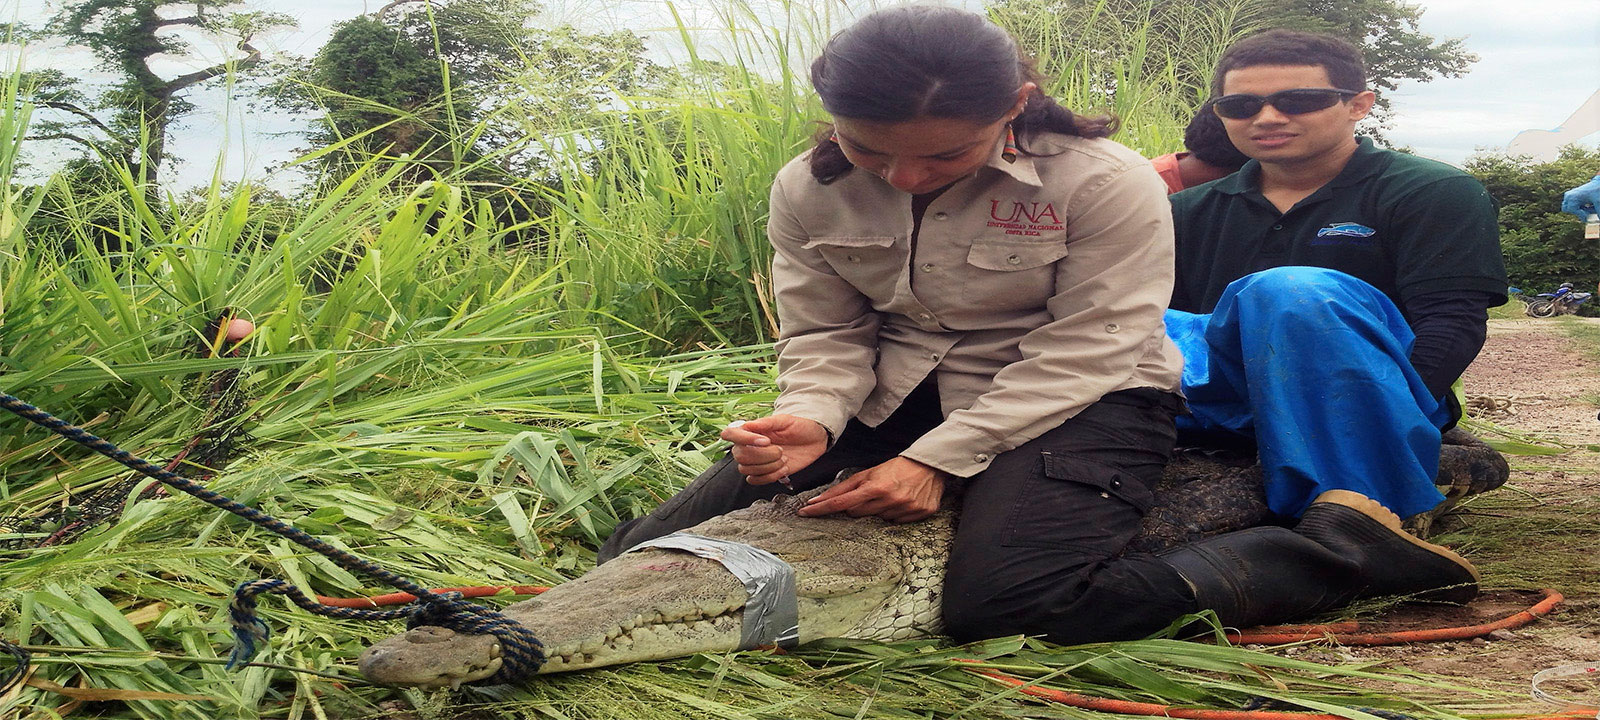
x=1028 y=219
x=1344 y=233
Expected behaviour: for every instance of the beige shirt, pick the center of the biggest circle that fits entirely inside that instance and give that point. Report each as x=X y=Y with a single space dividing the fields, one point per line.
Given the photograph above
x=1035 y=288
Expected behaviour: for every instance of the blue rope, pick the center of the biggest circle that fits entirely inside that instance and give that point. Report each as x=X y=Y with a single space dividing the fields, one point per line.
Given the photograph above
x=522 y=653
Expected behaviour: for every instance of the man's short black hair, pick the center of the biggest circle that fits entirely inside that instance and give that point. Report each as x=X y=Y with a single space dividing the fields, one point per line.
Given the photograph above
x=1207 y=140
x=1340 y=59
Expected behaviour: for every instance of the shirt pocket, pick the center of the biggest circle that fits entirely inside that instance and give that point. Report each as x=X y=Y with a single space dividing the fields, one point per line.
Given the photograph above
x=1011 y=274
x=870 y=263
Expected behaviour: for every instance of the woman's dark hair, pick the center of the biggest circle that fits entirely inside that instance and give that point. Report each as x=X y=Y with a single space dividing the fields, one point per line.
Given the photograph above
x=915 y=61
x=1340 y=59
x=1207 y=140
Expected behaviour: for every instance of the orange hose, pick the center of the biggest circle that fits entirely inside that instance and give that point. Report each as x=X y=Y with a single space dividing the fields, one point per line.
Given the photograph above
x=403 y=598
x=1129 y=707
x=1291 y=634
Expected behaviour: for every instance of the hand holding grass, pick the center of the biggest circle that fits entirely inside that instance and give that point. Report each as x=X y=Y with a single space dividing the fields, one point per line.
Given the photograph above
x=772 y=448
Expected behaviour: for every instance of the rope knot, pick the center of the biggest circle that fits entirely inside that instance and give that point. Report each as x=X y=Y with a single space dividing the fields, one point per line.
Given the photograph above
x=521 y=652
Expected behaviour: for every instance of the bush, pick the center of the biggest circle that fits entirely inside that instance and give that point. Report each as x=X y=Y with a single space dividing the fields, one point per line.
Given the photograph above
x=1543 y=246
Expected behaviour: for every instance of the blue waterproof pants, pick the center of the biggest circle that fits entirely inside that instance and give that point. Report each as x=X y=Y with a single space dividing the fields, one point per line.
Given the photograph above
x=1314 y=364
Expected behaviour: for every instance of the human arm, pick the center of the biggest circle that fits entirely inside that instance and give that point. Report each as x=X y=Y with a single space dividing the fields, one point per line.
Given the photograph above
x=1445 y=244
x=827 y=343
x=1450 y=329
x=1444 y=240
x=1583 y=199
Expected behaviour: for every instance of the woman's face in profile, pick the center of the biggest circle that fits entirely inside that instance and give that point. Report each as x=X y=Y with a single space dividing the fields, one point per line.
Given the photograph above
x=920 y=155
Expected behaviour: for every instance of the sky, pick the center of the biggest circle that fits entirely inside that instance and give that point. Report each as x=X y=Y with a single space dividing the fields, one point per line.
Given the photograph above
x=1538 y=75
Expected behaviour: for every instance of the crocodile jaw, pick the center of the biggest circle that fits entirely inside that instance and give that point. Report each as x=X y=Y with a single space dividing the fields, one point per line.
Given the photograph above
x=453 y=658
x=644 y=606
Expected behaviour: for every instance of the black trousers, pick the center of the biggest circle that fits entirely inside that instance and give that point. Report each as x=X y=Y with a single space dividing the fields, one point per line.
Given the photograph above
x=1038 y=547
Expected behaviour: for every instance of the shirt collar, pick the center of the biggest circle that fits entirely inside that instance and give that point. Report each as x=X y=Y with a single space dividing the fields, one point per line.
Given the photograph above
x=1020 y=169
x=1367 y=161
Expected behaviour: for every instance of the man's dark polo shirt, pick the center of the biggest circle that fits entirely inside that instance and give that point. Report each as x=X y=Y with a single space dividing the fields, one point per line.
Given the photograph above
x=1407 y=225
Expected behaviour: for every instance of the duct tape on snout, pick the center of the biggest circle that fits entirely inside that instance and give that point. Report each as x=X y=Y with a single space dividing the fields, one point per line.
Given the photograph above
x=772 y=610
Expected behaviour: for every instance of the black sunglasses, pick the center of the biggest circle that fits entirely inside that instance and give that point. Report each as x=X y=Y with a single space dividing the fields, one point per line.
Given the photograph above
x=1290 y=102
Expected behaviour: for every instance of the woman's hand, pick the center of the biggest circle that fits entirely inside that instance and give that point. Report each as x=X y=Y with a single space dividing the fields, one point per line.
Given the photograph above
x=772 y=448
x=900 y=490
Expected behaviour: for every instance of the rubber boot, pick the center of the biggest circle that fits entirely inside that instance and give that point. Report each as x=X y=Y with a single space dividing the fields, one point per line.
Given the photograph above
x=1391 y=560
x=1263 y=575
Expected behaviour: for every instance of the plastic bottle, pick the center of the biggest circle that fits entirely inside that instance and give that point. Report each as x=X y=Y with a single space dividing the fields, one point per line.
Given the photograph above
x=1591 y=227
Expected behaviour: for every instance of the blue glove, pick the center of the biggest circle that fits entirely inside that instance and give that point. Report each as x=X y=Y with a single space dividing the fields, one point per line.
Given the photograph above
x=1583 y=199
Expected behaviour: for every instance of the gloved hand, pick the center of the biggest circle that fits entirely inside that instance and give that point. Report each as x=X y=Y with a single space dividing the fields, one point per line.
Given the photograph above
x=1583 y=199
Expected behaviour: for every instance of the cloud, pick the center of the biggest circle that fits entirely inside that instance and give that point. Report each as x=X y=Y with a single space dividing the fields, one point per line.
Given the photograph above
x=1538 y=61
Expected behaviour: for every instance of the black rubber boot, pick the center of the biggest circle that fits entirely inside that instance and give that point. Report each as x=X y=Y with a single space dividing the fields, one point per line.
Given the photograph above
x=1263 y=575
x=1391 y=560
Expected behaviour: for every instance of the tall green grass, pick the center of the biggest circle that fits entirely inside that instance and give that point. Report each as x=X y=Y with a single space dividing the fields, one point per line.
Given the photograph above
x=657 y=214
x=1146 y=62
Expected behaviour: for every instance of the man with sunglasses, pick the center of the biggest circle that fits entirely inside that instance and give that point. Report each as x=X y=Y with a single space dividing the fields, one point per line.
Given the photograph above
x=1328 y=295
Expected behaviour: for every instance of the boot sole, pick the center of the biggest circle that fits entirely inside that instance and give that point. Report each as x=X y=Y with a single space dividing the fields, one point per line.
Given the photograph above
x=1386 y=517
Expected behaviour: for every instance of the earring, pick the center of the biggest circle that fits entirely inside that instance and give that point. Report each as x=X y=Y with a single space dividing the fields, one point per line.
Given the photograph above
x=1009 y=151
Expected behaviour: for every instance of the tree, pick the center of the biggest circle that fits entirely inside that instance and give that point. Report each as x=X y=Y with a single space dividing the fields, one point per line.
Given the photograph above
x=457 y=84
x=1543 y=246
x=1391 y=43
x=130 y=119
x=1179 y=41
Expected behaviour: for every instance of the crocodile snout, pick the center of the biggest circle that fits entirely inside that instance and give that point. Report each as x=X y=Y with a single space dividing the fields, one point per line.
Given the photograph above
x=432 y=657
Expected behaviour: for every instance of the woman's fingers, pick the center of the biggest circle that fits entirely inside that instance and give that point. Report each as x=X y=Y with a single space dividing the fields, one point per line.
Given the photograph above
x=736 y=433
x=775 y=466
x=782 y=476
x=842 y=497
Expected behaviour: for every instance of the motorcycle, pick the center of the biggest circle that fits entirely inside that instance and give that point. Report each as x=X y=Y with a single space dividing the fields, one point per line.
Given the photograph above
x=1564 y=301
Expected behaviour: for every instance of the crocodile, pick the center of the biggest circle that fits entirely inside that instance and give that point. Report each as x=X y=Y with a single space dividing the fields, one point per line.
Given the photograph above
x=855 y=577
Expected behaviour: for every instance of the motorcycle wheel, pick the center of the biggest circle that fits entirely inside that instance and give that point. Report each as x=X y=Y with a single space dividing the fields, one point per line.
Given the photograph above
x=1541 y=308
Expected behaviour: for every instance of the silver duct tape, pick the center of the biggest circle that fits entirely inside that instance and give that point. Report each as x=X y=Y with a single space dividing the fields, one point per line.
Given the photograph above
x=772 y=612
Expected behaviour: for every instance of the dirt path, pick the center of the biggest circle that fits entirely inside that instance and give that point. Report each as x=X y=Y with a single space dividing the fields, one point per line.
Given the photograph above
x=1541 y=530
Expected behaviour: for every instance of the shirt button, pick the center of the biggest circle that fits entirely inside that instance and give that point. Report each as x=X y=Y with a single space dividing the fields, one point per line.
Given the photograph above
x=980 y=458
x=1277 y=227
x=925 y=316
x=1014 y=260
x=853 y=258
x=933 y=356
x=927 y=267
x=1112 y=327
x=941 y=216
x=1116 y=484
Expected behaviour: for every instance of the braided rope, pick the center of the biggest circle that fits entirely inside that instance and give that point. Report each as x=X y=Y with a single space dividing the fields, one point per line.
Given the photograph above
x=522 y=652
x=18 y=673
